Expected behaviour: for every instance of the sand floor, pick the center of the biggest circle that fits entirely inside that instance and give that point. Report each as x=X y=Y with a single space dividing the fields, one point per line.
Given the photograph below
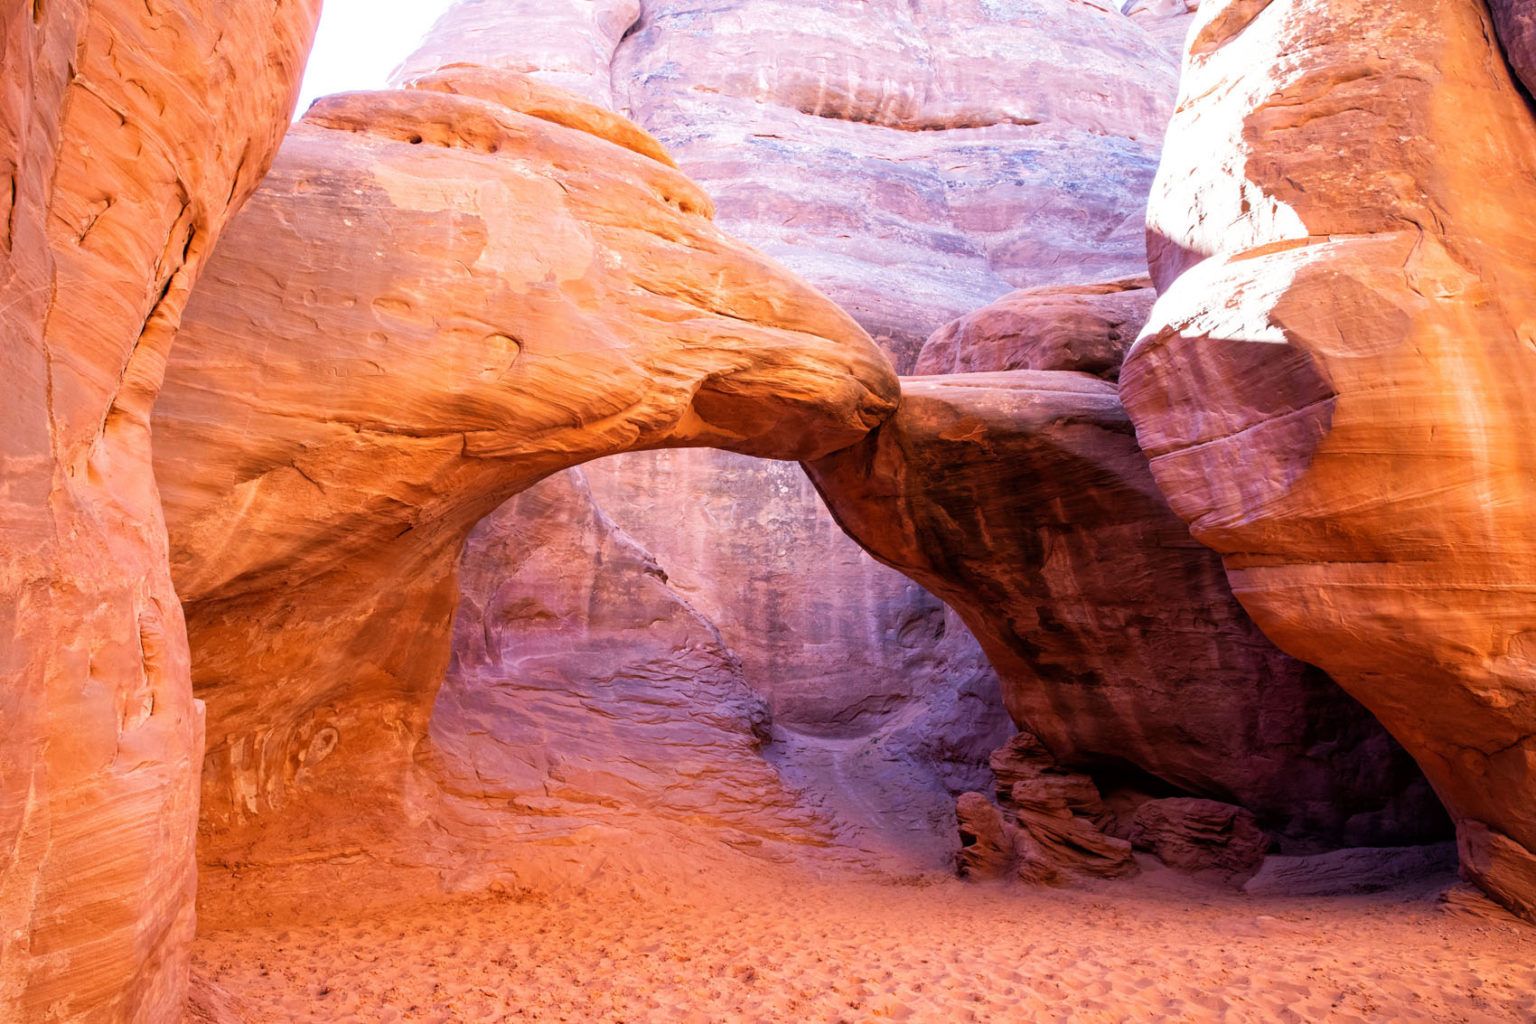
x=777 y=944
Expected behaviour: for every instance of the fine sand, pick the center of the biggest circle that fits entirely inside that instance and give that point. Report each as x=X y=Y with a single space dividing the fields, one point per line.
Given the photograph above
x=776 y=943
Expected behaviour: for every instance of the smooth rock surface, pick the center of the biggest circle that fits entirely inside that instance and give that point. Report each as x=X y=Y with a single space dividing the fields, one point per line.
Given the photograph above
x=1169 y=21
x=1023 y=500
x=378 y=359
x=1351 y=870
x=129 y=132
x=1335 y=387
x=1086 y=327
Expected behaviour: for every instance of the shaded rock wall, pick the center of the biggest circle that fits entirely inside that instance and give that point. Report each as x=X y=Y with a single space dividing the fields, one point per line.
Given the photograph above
x=128 y=134
x=1023 y=500
x=1335 y=387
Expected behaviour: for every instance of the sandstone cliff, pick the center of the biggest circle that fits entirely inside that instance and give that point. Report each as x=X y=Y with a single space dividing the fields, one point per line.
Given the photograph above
x=1335 y=387
x=128 y=134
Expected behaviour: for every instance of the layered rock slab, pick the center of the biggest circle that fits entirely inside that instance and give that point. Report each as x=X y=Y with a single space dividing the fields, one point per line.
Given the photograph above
x=129 y=133
x=378 y=359
x=1023 y=500
x=1335 y=387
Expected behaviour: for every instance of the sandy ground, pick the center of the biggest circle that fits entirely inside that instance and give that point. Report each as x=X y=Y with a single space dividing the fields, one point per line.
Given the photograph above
x=777 y=943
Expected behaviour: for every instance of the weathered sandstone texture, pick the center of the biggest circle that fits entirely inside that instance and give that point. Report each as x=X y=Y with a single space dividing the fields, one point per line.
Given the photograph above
x=914 y=162
x=1167 y=20
x=590 y=688
x=584 y=688
x=378 y=359
x=1055 y=817
x=1516 y=23
x=1023 y=500
x=1336 y=385
x=836 y=642
x=1200 y=835
x=129 y=132
x=1085 y=327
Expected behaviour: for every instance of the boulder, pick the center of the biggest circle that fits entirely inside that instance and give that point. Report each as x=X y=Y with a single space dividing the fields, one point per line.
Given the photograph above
x=129 y=134
x=1516 y=24
x=1335 y=386
x=986 y=840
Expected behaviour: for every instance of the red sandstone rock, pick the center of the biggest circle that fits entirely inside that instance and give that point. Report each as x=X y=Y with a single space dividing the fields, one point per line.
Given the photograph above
x=128 y=134
x=1023 y=500
x=1070 y=327
x=1335 y=388
x=913 y=162
x=1516 y=22
x=798 y=119
x=1045 y=830
x=1200 y=835
x=378 y=359
x=987 y=849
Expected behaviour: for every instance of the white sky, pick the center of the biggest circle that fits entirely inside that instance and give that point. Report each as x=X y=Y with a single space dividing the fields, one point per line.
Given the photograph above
x=361 y=41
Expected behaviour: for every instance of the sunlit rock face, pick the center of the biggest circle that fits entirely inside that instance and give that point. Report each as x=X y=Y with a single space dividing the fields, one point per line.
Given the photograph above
x=128 y=134
x=1023 y=500
x=914 y=162
x=378 y=358
x=1335 y=387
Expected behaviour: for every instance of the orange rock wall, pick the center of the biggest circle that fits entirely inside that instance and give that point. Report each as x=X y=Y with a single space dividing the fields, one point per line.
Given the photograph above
x=129 y=132
x=1335 y=387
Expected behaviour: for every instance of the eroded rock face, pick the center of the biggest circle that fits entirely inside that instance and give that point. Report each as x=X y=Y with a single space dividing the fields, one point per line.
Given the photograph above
x=1516 y=22
x=378 y=359
x=1085 y=327
x=834 y=641
x=1023 y=500
x=1169 y=21
x=128 y=134
x=591 y=688
x=1335 y=388
x=914 y=162
x=1200 y=836
x=584 y=689
x=1056 y=817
